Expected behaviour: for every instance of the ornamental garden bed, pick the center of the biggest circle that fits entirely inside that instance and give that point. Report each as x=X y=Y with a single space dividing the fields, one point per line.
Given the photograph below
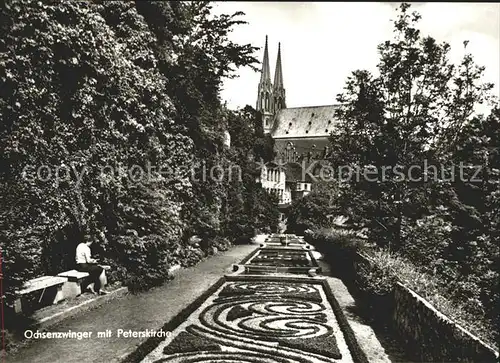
x=259 y=319
x=282 y=260
x=285 y=240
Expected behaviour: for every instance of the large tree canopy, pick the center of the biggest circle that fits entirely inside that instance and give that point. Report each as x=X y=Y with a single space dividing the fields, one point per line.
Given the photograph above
x=428 y=162
x=121 y=100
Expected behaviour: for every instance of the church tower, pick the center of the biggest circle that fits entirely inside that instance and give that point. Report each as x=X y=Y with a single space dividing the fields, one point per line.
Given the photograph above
x=278 y=89
x=265 y=93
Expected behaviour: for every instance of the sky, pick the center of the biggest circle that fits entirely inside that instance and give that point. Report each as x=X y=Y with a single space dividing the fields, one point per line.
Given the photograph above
x=323 y=42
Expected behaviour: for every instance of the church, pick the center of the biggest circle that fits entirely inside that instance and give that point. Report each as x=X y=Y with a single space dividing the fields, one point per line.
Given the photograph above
x=301 y=135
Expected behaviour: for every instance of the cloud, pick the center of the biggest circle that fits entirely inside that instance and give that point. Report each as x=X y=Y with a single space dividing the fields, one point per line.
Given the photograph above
x=322 y=43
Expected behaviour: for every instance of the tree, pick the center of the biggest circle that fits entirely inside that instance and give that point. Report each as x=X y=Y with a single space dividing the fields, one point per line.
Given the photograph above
x=415 y=128
x=313 y=210
x=409 y=114
x=203 y=56
x=249 y=207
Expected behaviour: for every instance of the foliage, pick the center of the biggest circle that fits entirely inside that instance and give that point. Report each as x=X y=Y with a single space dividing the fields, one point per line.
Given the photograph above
x=142 y=253
x=400 y=119
x=340 y=239
x=313 y=210
x=249 y=208
x=413 y=134
x=75 y=96
x=391 y=267
x=123 y=99
x=204 y=56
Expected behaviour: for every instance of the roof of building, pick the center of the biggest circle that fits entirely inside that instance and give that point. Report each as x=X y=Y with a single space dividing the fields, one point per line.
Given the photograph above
x=312 y=121
x=302 y=146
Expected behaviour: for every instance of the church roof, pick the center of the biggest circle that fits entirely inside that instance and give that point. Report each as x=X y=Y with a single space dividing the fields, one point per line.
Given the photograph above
x=312 y=121
x=303 y=145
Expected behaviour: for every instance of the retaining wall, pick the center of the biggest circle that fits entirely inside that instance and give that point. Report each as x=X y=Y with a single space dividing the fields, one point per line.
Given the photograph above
x=431 y=335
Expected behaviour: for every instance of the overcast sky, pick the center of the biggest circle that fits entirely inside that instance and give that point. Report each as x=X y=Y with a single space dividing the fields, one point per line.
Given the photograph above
x=322 y=43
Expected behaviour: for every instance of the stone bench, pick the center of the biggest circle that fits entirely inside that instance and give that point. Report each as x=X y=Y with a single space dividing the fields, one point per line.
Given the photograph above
x=73 y=286
x=53 y=283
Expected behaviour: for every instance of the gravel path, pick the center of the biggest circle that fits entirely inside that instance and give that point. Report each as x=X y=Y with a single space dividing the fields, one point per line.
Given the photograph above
x=140 y=312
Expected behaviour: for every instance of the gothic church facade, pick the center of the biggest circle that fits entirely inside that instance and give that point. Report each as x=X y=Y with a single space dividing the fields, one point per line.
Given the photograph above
x=301 y=134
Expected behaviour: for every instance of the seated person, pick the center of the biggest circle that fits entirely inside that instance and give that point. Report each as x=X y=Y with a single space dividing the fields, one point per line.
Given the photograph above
x=85 y=263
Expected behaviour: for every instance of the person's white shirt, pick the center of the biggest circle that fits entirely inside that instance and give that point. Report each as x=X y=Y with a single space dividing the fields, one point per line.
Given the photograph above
x=83 y=253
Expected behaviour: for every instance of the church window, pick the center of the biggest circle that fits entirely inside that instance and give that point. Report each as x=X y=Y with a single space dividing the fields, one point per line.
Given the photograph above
x=289 y=151
x=287 y=131
x=290 y=124
x=307 y=131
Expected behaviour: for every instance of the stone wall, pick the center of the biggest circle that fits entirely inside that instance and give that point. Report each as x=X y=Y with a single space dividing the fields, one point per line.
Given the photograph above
x=432 y=336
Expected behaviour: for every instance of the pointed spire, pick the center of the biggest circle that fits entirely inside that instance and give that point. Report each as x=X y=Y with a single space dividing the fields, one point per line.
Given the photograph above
x=278 y=72
x=278 y=88
x=265 y=100
x=265 y=74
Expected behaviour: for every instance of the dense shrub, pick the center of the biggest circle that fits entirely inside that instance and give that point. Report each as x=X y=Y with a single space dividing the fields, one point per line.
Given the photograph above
x=98 y=88
x=313 y=210
x=340 y=239
x=147 y=260
x=124 y=99
x=72 y=98
x=393 y=268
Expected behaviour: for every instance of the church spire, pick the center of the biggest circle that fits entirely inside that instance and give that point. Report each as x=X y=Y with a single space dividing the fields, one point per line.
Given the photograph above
x=265 y=92
x=278 y=73
x=265 y=75
x=279 y=88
